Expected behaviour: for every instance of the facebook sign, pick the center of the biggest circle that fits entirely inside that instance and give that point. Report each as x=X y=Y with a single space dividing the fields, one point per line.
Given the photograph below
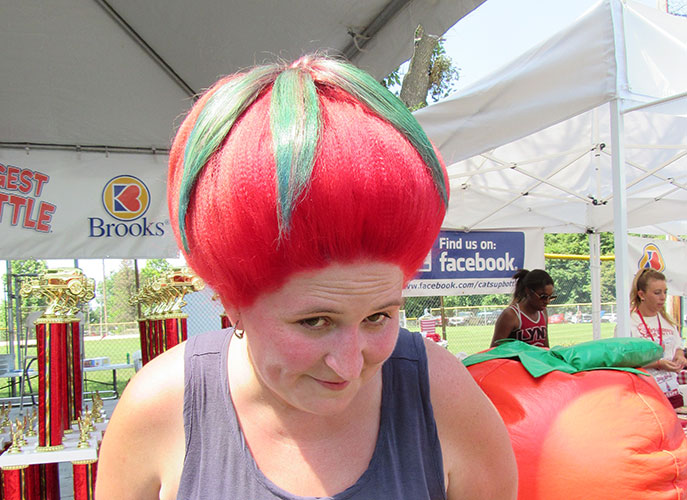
x=473 y=263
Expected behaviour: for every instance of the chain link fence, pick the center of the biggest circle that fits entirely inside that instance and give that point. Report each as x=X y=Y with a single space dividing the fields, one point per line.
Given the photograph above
x=467 y=323
x=110 y=328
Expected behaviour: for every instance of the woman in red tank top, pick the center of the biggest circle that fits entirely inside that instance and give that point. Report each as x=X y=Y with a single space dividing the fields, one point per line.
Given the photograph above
x=525 y=318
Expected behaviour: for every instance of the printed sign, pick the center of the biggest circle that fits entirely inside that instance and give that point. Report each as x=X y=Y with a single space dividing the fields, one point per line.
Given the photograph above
x=126 y=197
x=477 y=263
x=667 y=257
x=20 y=198
x=61 y=204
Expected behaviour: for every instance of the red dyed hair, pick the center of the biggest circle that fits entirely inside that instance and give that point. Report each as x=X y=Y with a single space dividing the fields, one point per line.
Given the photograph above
x=370 y=197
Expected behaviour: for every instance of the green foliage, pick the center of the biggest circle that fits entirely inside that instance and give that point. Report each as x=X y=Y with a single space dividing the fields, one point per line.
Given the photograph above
x=3 y=319
x=571 y=278
x=118 y=288
x=608 y=281
x=393 y=80
x=415 y=306
x=476 y=300
x=29 y=267
x=443 y=76
x=153 y=269
x=94 y=315
x=25 y=270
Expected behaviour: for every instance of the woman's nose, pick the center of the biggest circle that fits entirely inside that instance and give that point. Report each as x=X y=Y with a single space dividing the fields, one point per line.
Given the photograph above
x=346 y=355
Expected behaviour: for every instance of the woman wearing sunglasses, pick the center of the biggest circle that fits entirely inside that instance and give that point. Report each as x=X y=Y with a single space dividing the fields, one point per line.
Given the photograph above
x=525 y=318
x=649 y=320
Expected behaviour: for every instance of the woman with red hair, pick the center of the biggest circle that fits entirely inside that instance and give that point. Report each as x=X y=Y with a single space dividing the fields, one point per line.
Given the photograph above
x=306 y=196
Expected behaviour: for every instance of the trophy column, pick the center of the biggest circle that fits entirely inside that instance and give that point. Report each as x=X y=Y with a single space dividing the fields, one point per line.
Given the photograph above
x=162 y=324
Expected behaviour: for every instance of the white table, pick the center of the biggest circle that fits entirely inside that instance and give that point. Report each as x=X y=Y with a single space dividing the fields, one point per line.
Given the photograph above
x=114 y=368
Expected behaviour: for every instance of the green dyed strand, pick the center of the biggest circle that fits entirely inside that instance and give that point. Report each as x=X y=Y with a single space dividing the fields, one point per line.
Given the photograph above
x=389 y=107
x=213 y=125
x=294 y=123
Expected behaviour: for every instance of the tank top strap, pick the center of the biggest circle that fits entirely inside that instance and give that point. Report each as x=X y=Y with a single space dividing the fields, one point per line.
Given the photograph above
x=518 y=313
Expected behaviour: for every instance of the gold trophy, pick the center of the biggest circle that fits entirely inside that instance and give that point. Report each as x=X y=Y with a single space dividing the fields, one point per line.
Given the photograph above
x=59 y=347
x=17 y=437
x=84 y=422
x=64 y=288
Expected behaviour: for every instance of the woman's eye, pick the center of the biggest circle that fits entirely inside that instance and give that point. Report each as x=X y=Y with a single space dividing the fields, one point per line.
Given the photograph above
x=378 y=318
x=317 y=322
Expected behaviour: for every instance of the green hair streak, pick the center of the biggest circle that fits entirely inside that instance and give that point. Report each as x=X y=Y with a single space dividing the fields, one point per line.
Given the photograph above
x=214 y=123
x=294 y=122
x=294 y=125
x=374 y=95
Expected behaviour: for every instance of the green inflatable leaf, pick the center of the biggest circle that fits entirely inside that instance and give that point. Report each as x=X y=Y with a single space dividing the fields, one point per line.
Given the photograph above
x=608 y=354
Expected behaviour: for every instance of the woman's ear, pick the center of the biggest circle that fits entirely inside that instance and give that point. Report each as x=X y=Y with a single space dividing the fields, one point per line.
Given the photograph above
x=232 y=313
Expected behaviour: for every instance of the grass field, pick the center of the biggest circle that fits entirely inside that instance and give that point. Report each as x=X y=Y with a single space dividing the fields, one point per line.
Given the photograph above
x=472 y=339
x=461 y=339
x=115 y=348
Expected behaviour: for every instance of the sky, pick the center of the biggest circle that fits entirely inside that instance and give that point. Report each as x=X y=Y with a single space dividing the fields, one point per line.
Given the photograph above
x=484 y=40
x=500 y=30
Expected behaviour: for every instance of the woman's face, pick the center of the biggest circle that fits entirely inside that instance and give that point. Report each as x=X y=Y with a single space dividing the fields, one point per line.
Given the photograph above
x=318 y=340
x=654 y=296
x=540 y=297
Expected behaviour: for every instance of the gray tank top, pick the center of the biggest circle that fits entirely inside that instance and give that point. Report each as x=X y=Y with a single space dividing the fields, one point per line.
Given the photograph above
x=406 y=463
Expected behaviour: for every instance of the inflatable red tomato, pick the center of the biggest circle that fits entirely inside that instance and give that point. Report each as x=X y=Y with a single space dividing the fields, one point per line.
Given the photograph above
x=592 y=435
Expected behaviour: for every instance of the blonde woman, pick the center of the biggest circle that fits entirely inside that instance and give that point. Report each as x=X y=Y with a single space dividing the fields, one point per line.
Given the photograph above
x=648 y=319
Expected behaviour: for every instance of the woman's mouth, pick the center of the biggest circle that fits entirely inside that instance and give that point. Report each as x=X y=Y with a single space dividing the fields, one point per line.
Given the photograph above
x=333 y=386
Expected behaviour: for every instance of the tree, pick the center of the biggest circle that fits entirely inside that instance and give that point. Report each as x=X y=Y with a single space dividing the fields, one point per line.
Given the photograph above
x=415 y=306
x=116 y=292
x=27 y=270
x=3 y=319
x=22 y=270
x=431 y=72
x=153 y=269
x=608 y=281
x=572 y=278
x=476 y=300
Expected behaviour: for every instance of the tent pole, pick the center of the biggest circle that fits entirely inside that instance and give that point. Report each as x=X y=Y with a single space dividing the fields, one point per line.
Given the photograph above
x=622 y=265
x=9 y=320
x=594 y=237
x=595 y=270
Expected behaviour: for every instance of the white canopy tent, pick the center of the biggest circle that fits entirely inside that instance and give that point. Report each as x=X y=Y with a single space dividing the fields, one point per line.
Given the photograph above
x=93 y=91
x=120 y=73
x=586 y=132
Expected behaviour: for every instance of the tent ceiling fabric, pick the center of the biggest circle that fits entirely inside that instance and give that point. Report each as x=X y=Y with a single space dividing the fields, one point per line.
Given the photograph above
x=73 y=74
x=529 y=146
x=560 y=178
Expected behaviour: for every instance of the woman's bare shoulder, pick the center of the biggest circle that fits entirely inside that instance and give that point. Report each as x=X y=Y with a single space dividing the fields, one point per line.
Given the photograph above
x=144 y=439
x=478 y=457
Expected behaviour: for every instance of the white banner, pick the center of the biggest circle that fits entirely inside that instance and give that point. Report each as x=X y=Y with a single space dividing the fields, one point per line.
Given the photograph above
x=668 y=257
x=477 y=263
x=64 y=204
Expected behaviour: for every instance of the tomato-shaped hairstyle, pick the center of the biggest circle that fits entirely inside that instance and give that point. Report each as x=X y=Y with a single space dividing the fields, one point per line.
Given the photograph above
x=289 y=168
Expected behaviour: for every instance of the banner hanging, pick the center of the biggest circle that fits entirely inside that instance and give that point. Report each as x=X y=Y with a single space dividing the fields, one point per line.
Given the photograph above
x=67 y=204
x=477 y=263
x=667 y=257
